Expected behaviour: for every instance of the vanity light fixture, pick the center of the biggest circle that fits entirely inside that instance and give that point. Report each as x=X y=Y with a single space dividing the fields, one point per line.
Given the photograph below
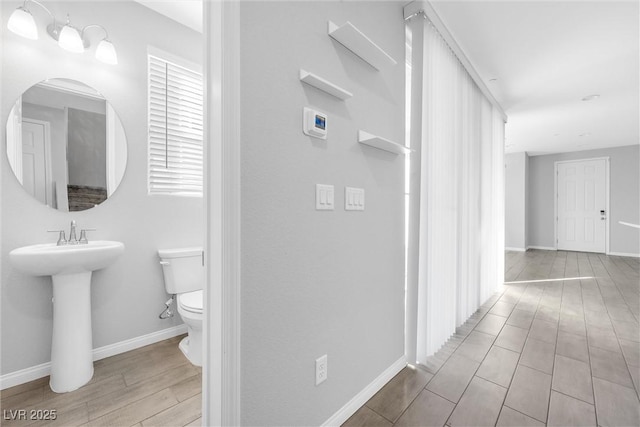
x=69 y=38
x=106 y=51
x=22 y=23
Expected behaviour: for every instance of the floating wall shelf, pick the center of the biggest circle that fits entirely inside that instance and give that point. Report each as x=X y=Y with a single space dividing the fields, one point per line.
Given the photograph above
x=381 y=143
x=324 y=85
x=358 y=43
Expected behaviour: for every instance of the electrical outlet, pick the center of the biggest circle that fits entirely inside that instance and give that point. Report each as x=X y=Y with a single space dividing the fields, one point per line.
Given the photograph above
x=321 y=369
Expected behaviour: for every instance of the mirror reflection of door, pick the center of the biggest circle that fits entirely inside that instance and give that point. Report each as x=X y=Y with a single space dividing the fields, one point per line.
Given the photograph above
x=36 y=159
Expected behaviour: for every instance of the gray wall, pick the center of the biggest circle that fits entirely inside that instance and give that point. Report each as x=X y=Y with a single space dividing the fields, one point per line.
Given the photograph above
x=624 y=196
x=127 y=297
x=318 y=282
x=515 y=200
x=87 y=148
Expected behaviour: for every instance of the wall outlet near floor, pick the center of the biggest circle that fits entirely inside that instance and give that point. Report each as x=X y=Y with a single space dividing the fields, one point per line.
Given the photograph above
x=321 y=369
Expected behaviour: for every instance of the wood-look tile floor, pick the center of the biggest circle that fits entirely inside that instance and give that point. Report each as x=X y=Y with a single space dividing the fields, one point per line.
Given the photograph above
x=150 y=386
x=540 y=352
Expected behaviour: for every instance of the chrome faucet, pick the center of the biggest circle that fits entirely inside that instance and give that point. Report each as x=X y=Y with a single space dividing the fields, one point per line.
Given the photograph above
x=73 y=240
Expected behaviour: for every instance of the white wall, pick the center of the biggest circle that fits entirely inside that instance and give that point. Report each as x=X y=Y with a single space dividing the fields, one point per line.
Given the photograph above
x=127 y=297
x=317 y=282
x=516 y=200
x=624 y=194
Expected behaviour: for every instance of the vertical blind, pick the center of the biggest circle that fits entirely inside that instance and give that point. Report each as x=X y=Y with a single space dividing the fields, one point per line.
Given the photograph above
x=175 y=129
x=460 y=222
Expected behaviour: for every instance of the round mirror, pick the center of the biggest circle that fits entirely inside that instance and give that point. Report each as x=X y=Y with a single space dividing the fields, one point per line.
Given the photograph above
x=66 y=145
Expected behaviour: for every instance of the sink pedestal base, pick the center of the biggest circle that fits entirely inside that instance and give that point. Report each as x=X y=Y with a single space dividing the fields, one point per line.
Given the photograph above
x=72 y=343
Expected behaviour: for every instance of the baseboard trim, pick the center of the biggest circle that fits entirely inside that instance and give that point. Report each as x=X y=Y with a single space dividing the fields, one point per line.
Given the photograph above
x=367 y=393
x=34 y=372
x=24 y=375
x=624 y=254
x=542 y=248
x=133 y=343
x=515 y=249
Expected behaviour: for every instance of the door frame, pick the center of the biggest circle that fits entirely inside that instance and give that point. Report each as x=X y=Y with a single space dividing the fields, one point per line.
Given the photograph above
x=607 y=183
x=221 y=324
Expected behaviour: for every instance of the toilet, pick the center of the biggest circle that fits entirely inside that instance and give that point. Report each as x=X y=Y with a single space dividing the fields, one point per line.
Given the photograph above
x=184 y=276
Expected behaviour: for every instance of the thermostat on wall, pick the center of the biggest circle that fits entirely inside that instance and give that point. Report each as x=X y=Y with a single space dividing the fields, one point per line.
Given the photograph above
x=314 y=123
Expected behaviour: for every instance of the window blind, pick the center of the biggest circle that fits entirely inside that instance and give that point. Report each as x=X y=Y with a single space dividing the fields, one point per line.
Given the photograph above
x=175 y=129
x=456 y=256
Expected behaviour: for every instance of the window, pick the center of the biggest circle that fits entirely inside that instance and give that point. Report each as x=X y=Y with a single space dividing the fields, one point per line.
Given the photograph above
x=175 y=129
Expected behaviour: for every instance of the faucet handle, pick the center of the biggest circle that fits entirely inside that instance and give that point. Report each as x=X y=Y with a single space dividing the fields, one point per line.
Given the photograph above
x=83 y=235
x=62 y=240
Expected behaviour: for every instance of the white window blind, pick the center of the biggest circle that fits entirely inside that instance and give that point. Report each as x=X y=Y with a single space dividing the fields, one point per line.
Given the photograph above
x=175 y=129
x=456 y=256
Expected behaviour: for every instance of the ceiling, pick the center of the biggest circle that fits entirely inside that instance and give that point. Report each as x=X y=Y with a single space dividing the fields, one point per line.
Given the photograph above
x=546 y=57
x=186 y=12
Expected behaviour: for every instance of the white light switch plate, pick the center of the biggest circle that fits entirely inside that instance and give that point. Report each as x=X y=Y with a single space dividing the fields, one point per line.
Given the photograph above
x=353 y=199
x=324 y=197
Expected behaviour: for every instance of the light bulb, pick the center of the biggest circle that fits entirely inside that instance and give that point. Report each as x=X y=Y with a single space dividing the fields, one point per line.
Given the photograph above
x=21 y=22
x=106 y=52
x=69 y=39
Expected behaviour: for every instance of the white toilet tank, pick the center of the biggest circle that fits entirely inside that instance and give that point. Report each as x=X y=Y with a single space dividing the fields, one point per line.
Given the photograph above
x=183 y=269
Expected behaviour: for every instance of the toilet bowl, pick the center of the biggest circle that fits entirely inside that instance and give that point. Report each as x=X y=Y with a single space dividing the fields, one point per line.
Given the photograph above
x=190 y=310
x=184 y=277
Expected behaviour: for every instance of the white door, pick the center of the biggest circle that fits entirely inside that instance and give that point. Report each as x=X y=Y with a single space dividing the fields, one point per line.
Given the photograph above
x=35 y=164
x=582 y=201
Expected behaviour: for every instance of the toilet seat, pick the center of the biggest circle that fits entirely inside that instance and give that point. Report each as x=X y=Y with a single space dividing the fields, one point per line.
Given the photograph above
x=191 y=301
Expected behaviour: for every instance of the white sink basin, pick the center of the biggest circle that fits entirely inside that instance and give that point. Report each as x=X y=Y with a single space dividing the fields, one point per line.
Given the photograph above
x=50 y=260
x=70 y=268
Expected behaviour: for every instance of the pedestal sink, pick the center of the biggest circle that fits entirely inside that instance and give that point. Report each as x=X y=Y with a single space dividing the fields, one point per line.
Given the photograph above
x=70 y=267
